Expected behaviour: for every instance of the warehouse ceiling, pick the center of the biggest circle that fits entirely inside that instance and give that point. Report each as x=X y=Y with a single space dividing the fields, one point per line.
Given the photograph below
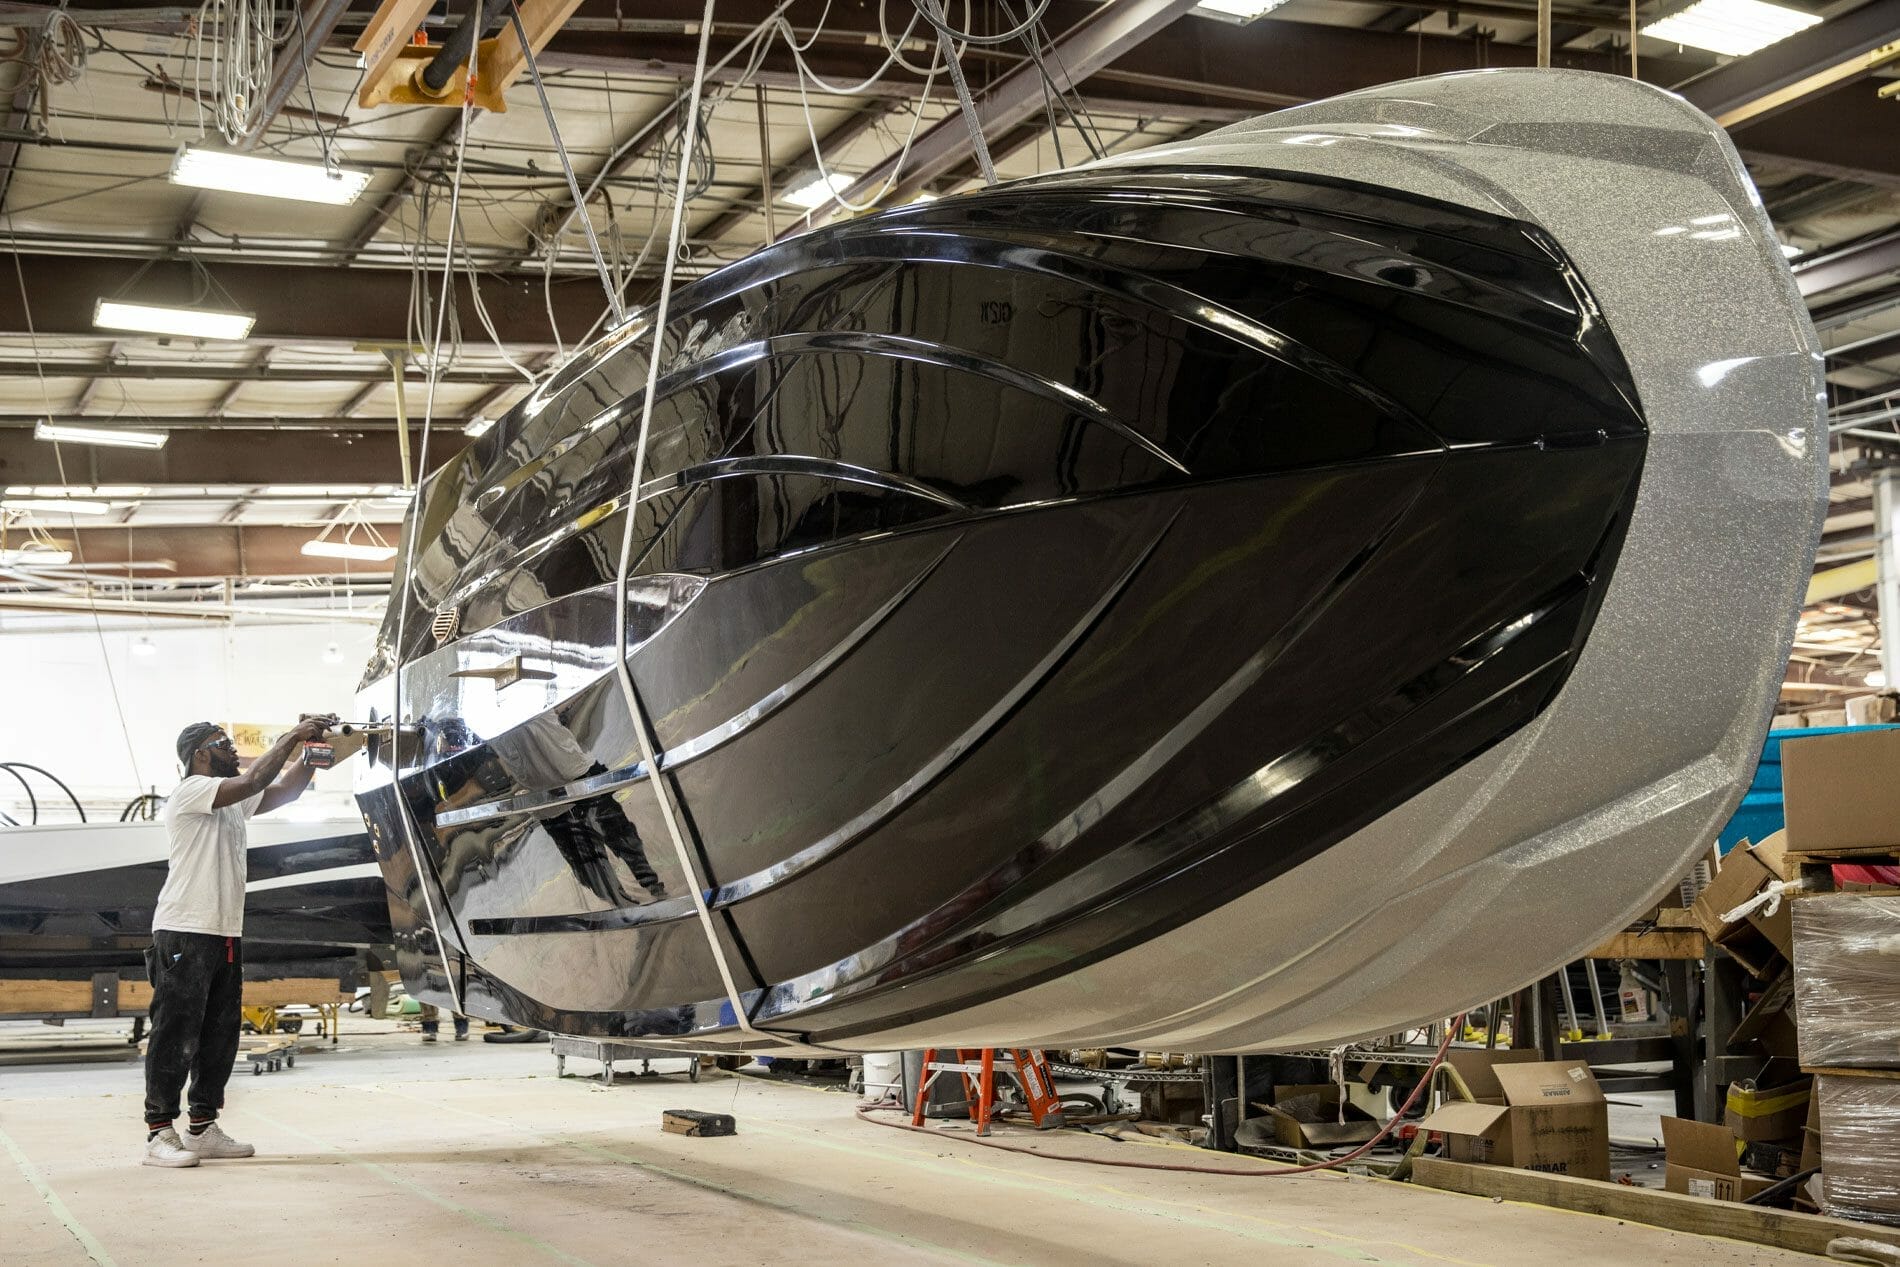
x=294 y=428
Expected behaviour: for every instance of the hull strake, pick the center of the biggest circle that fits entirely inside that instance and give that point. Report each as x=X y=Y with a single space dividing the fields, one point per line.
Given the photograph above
x=1029 y=580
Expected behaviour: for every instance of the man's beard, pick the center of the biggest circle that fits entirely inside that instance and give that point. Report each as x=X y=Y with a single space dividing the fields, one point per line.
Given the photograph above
x=224 y=764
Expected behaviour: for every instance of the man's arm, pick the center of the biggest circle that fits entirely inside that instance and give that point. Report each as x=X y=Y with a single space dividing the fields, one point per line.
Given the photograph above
x=258 y=778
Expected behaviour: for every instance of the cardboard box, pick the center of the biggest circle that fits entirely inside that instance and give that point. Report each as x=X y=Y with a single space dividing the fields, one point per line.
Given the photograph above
x=1757 y=939
x=1763 y=1114
x=1700 y=1160
x=1479 y=1068
x=1554 y=1119
x=1860 y=1122
x=1309 y=1117
x=1847 y=979
x=1842 y=791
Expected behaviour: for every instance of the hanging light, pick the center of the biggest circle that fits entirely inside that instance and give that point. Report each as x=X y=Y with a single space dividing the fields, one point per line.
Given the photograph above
x=1241 y=11
x=333 y=654
x=477 y=426
x=815 y=192
x=1733 y=28
x=192 y=320
x=266 y=177
x=189 y=323
x=363 y=550
x=110 y=436
x=144 y=648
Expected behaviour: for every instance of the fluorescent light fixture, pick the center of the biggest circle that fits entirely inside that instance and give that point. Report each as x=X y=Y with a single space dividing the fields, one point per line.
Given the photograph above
x=1733 y=28
x=36 y=556
x=267 y=177
x=477 y=426
x=1237 y=10
x=44 y=430
x=50 y=506
x=817 y=191
x=189 y=323
x=1875 y=678
x=350 y=550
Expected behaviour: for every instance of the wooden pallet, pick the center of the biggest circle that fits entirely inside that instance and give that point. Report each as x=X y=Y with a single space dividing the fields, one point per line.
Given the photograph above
x=1704 y=1216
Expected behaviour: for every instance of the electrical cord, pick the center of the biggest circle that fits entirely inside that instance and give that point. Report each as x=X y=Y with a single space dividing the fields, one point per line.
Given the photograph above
x=1335 y=1163
x=32 y=801
x=934 y=15
x=14 y=768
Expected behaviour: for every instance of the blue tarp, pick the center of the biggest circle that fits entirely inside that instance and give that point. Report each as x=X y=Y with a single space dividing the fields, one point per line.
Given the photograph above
x=1760 y=813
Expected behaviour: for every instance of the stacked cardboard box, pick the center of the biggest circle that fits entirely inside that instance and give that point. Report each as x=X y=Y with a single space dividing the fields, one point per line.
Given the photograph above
x=1842 y=794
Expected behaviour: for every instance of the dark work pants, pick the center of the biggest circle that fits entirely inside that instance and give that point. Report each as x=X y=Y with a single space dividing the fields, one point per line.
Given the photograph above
x=197 y=991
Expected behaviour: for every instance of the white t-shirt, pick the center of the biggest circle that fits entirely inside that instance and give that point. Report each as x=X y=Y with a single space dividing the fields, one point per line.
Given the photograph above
x=204 y=891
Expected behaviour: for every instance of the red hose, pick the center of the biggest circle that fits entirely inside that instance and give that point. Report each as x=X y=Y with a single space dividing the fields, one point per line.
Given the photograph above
x=1437 y=1060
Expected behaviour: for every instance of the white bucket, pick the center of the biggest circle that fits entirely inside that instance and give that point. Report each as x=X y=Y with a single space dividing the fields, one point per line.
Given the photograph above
x=883 y=1073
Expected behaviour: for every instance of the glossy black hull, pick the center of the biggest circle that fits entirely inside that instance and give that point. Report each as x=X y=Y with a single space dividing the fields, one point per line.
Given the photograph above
x=1022 y=587
x=314 y=902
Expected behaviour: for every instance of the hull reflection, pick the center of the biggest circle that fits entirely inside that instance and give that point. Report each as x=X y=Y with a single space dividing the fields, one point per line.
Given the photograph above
x=1180 y=600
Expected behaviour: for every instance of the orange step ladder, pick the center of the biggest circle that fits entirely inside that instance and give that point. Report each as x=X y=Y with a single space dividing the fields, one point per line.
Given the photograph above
x=977 y=1067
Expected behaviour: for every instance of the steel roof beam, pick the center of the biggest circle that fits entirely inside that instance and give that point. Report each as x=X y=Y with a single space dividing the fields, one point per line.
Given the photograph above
x=198 y=458
x=292 y=303
x=1849 y=265
x=1793 y=70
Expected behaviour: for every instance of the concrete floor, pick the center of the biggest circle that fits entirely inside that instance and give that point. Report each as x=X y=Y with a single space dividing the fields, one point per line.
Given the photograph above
x=385 y=1151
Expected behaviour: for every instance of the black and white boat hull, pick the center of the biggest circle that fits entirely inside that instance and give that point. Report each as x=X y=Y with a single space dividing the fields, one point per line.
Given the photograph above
x=77 y=898
x=1256 y=592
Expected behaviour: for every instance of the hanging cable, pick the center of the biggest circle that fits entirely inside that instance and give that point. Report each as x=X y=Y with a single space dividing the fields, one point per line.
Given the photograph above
x=567 y=166
x=406 y=599
x=932 y=10
x=622 y=670
x=79 y=548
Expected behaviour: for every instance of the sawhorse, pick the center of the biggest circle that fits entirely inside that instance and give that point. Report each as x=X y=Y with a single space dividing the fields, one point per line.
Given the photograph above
x=977 y=1068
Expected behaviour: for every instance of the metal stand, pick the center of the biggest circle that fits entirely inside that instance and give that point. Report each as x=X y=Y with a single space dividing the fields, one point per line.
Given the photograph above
x=610 y=1054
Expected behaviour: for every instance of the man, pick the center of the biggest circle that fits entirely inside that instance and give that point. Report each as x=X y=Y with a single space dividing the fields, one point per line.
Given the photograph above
x=197 y=959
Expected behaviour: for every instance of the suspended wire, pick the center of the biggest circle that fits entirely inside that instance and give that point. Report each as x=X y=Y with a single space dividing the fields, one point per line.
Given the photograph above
x=933 y=14
x=242 y=53
x=932 y=10
x=623 y=672
x=79 y=548
x=567 y=166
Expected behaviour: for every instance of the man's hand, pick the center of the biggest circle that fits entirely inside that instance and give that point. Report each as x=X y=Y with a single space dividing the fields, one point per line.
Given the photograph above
x=258 y=778
x=312 y=727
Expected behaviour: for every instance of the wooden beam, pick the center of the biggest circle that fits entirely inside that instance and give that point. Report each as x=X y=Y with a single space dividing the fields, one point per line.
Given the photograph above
x=1701 y=1216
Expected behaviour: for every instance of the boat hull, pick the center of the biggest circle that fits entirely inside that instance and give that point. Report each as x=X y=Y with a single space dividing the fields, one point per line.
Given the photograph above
x=1186 y=600
x=76 y=899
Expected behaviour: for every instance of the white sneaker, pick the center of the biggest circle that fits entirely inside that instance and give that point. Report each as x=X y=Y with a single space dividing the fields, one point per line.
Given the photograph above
x=213 y=1142
x=164 y=1149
